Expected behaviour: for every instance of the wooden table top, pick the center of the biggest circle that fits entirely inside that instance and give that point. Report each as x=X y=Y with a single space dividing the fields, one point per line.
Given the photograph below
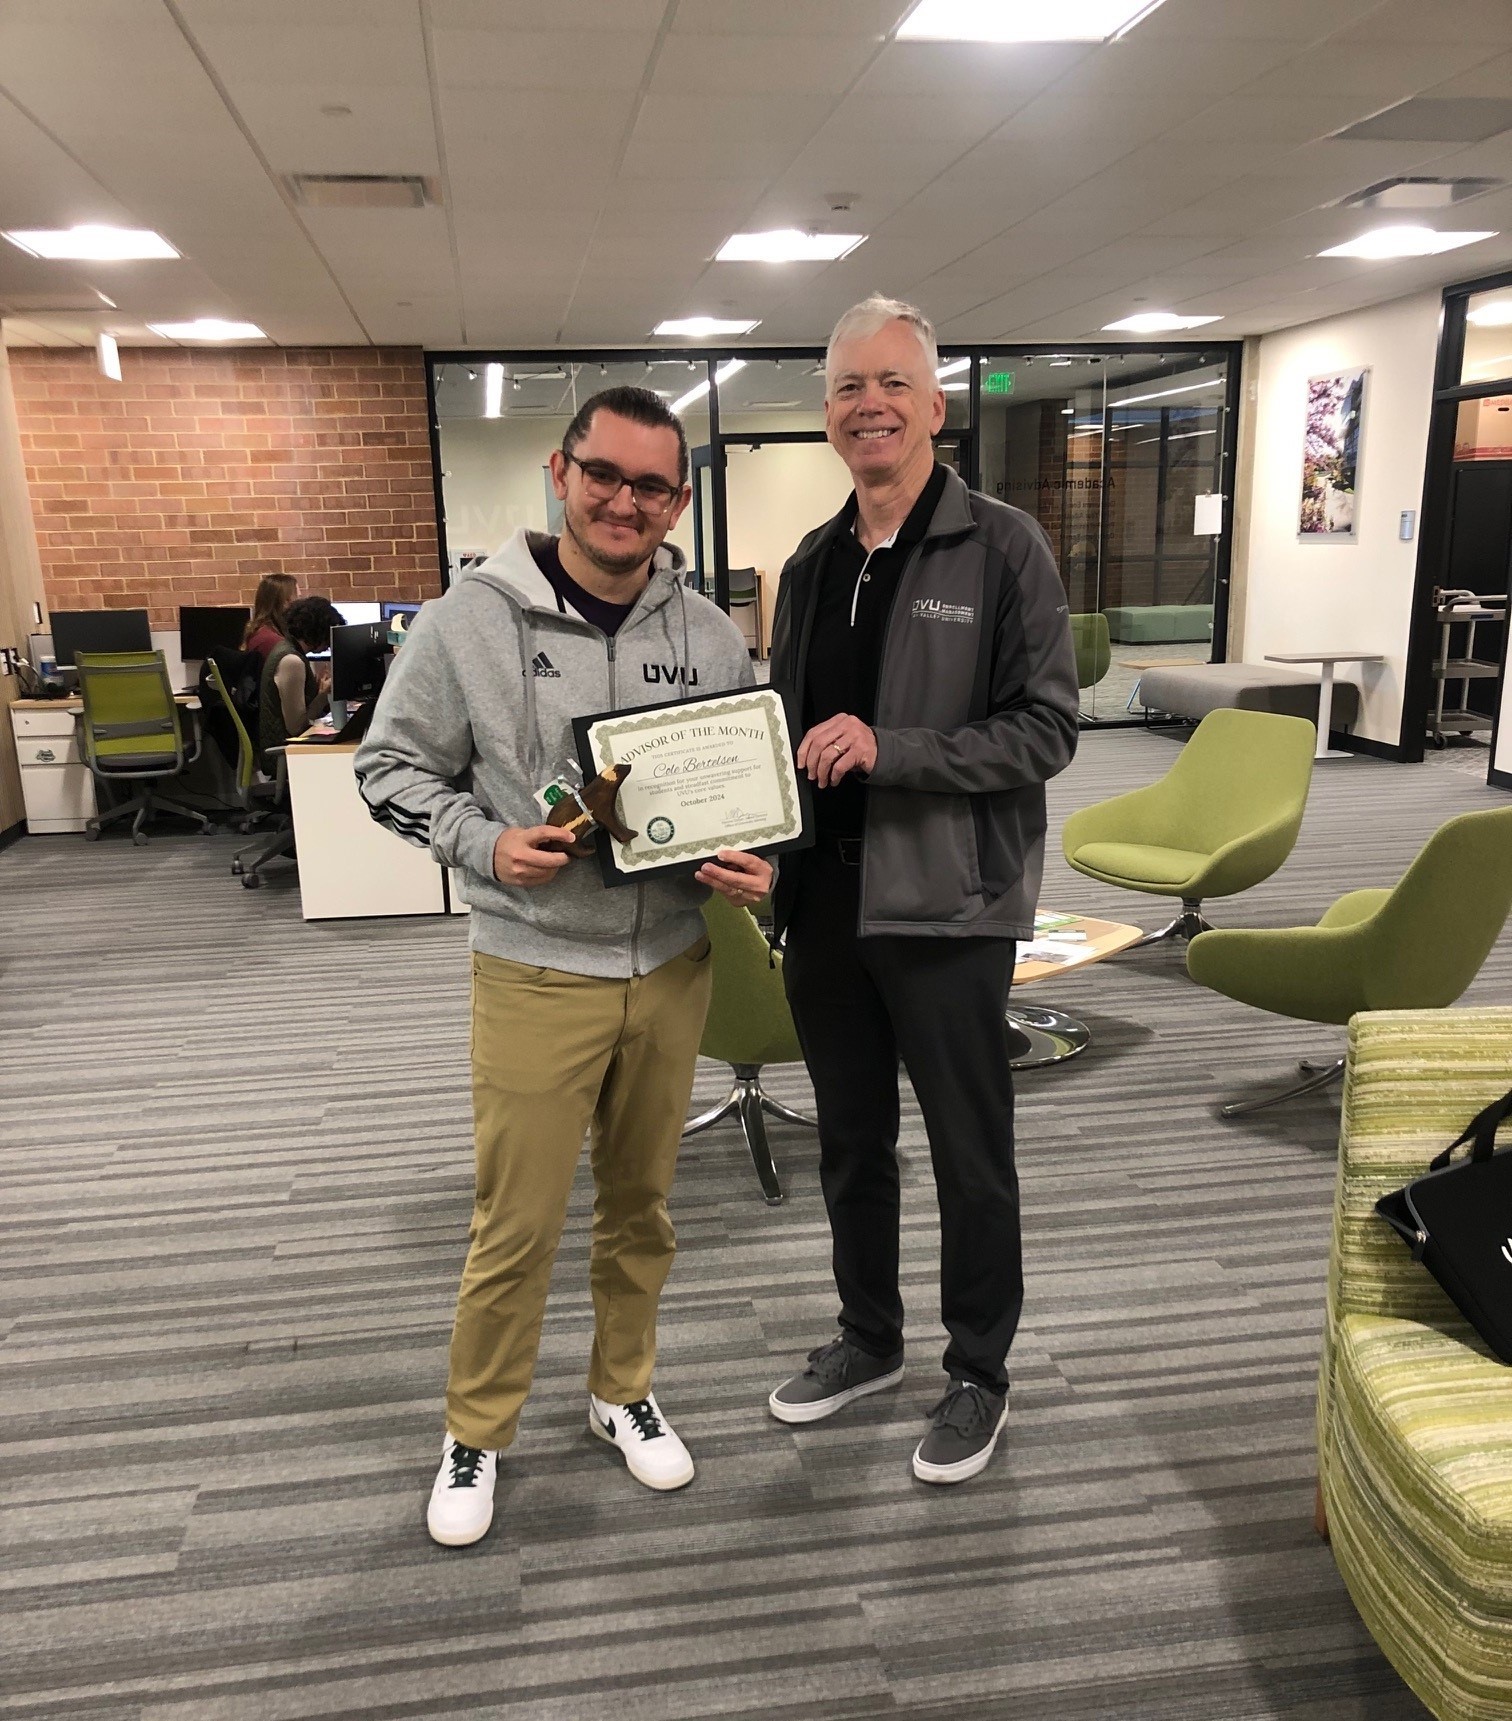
x=1101 y=938
x=75 y=702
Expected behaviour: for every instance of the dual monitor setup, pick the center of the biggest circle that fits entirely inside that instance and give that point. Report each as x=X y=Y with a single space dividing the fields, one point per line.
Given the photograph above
x=359 y=651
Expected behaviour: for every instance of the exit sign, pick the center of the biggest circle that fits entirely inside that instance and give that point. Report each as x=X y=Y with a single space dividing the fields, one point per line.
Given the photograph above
x=998 y=382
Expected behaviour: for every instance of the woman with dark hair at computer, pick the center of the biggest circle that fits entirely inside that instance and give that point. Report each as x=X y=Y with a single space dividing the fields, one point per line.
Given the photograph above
x=270 y=610
x=294 y=694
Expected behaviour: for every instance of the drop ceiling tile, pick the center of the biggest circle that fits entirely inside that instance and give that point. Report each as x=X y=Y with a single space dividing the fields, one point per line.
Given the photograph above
x=1008 y=75
x=867 y=18
x=740 y=135
x=1376 y=73
x=351 y=43
x=757 y=64
x=1484 y=23
x=603 y=18
x=489 y=62
x=1181 y=21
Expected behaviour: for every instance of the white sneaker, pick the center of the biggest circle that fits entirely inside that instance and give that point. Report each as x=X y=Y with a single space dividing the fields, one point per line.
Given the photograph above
x=652 y=1450
x=462 y=1499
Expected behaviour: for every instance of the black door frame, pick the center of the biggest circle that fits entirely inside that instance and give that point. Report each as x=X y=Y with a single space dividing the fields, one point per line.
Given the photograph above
x=1449 y=394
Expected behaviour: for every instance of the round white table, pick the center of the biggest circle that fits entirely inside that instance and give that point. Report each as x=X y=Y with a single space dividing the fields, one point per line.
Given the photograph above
x=1326 y=661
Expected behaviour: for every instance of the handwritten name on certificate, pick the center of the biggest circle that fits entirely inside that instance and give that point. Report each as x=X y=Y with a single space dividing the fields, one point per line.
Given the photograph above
x=706 y=774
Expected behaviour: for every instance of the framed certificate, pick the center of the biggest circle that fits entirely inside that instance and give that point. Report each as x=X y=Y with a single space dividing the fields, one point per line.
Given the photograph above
x=705 y=774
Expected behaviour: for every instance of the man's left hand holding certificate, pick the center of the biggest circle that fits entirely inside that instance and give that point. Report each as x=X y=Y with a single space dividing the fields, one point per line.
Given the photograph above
x=711 y=786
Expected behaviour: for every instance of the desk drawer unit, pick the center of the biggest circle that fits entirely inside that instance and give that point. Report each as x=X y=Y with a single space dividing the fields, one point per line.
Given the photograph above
x=55 y=782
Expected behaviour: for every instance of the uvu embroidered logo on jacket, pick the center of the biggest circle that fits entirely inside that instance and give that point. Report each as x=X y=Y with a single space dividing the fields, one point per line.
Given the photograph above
x=672 y=673
x=932 y=609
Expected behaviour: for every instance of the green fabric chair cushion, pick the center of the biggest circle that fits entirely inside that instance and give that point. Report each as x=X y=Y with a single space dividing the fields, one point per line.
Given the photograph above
x=1414 y=1414
x=1419 y=945
x=749 y=1021
x=1234 y=797
x=1141 y=866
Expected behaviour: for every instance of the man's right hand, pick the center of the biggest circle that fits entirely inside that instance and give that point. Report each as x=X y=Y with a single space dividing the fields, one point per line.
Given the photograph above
x=530 y=855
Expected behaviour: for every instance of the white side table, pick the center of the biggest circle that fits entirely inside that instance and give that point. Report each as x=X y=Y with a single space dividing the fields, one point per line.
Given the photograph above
x=1326 y=661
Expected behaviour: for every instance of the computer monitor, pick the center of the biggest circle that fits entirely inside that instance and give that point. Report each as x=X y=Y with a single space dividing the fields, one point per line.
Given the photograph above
x=359 y=660
x=98 y=630
x=355 y=612
x=387 y=611
x=203 y=631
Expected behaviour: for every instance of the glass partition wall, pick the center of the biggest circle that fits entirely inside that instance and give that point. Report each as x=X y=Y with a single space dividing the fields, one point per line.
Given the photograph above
x=1123 y=455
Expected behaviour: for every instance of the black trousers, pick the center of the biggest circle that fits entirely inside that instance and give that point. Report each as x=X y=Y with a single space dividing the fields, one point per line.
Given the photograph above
x=860 y=1003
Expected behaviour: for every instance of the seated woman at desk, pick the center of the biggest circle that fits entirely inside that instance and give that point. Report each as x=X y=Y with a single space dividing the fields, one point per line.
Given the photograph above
x=294 y=694
x=270 y=613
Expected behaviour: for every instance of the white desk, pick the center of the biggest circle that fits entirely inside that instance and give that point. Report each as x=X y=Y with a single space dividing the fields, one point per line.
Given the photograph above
x=56 y=784
x=350 y=867
x=1326 y=661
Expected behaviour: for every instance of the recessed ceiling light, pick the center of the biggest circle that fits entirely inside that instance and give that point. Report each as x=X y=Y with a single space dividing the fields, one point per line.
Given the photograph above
x=954 y=387
x=699 y=390
x=208 y=329
x=1156 y=323
x=702 y=328
x=1496 y=315
x=105 y=299
x=952 y=367
x=92 y=244
x=493 y=389
x=1387 y=242
x=1023 y=20
x=787 y=245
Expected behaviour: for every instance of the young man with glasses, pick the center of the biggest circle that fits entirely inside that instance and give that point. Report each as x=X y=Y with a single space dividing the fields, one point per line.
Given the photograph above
x=587 y=1003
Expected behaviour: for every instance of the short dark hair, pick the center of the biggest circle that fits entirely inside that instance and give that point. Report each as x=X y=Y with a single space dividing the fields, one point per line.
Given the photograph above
x=310 y=620
x=640 y=406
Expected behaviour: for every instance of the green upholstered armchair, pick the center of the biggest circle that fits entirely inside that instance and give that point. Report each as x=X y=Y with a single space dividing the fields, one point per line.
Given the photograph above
x=1415 y=947
x=258 y=799
x=1414 y=1413
x=749 y=1025
x=133 y=734
x=1224 y=817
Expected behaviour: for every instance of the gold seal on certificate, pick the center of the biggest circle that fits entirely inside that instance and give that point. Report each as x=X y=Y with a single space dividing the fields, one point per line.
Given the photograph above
x=707 y=774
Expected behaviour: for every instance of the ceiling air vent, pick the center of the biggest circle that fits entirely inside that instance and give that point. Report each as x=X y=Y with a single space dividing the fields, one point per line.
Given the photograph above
x=1416 y=193
x=363 y=190
x=1435 y=119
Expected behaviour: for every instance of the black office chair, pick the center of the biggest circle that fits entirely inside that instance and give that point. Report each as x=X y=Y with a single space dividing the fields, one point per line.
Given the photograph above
x=259 y=798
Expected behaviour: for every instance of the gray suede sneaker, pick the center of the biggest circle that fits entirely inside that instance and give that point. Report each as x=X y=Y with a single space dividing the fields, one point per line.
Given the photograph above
x=964 y=1428
x=837 y=1373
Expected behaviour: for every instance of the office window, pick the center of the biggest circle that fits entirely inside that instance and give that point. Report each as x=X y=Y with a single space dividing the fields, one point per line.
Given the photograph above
x=1488 y=337
x=1110 y=452
x=494 y=476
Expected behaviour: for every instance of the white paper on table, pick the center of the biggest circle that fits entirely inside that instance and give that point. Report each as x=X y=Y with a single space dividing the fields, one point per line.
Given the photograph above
x=1048 y=951
x=1207 y=516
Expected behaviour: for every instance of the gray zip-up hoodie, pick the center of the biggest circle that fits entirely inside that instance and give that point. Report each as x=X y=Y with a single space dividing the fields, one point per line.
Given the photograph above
x=476 y=717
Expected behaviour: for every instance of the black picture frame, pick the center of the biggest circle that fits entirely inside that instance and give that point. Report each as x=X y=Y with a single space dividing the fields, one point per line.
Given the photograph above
x=685 y=867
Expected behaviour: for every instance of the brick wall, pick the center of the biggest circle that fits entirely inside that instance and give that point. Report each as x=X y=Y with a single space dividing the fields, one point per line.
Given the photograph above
x=200 y=471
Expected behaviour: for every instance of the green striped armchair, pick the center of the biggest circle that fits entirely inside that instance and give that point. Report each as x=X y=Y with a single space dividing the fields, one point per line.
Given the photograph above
x=1414 y=1413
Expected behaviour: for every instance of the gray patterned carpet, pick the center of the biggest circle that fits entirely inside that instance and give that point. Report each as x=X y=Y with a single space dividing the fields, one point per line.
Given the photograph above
x=236 y=1176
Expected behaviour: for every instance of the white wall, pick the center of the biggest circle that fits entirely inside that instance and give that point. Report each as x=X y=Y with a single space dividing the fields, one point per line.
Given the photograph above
x=775 y=495
x=1302 y=595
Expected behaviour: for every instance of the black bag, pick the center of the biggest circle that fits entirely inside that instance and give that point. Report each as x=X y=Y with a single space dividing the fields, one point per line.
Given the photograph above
x=1458 y=1222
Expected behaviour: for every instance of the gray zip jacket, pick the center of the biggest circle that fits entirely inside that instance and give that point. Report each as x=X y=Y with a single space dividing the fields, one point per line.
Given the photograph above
x=976 y=711
x=476 y=716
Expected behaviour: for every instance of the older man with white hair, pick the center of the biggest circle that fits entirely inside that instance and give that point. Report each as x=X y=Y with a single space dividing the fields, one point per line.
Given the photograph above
x=924 y=632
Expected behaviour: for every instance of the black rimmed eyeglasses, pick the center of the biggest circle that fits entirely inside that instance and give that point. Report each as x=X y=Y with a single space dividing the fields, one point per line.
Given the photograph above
x=603 y=482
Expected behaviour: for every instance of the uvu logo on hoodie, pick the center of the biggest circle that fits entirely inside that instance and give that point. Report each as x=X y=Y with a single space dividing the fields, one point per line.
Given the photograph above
x=671 y=673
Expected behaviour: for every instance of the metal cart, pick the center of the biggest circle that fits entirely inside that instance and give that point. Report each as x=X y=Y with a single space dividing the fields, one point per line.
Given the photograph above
x=1461 y=609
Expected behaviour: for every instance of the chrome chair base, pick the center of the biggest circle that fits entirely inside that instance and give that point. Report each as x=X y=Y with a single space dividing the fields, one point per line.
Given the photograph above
x=1317 y=1076
x=1186 y=925
x=748 y=1101
x=1037 y=1038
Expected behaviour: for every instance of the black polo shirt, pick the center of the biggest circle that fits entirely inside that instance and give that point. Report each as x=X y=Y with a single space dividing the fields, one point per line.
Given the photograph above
x=603 y=614
x=855 y=596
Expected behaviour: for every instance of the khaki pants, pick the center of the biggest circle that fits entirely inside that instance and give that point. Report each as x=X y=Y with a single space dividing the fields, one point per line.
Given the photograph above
x=553 y=1053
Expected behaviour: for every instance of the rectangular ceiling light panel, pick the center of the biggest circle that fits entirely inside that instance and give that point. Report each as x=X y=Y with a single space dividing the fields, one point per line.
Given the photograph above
x=1023 y=20
x=787 y=245
x=1386 y=243
x=92 y=244
x=705 y=328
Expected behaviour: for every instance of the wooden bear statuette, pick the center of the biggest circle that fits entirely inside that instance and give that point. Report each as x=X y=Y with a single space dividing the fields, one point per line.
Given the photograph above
x=592 y=807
